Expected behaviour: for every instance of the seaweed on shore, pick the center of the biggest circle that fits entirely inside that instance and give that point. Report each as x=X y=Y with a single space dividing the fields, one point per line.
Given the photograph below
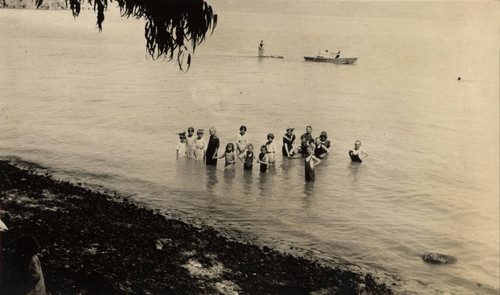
x=94 y=243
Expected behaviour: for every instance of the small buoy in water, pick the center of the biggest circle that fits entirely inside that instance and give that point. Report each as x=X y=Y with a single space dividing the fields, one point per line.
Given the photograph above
x=459 y=78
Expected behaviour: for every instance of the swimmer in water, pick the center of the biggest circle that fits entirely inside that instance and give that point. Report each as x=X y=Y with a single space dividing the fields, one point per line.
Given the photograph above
x=357 y=154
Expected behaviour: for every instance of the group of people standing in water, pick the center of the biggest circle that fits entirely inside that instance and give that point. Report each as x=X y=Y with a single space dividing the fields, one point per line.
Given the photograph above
x=310 y=148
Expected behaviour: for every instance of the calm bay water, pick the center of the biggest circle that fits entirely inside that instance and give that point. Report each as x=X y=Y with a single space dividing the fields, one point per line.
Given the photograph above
x=93 y=108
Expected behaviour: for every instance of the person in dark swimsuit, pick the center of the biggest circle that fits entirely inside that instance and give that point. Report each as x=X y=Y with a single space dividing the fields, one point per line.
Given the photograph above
x=212 y=148
x=309 y=162
x=357 y=154
x=308 y=135
x=247 y=157
x=322 y=146
x=288 y=140
x=263 y=159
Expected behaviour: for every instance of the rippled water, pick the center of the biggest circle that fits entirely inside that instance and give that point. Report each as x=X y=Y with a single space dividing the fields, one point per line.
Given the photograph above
x=92 y=108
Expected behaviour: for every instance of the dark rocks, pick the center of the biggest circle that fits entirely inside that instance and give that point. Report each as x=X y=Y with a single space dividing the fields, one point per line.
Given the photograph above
x=436 y=258
x=100 y=244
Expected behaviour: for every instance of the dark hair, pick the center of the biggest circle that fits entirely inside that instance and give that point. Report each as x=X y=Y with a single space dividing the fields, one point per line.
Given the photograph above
x=229 y=145
x=27 y=246
x=191 y=129
x=263 y=147
x=243 y=127
x=270 y=135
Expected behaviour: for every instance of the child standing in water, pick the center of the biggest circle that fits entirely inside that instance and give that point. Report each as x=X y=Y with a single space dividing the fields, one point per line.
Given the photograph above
x=357 y=154
x=271 y=149
x=199 y=152
x=241 y=140
x=263 y=159
x=190 y=142
x=288 y=141
x=229 y=155
x=247 y=157
x=309 y=163
x=302 y=148
x=181 y=146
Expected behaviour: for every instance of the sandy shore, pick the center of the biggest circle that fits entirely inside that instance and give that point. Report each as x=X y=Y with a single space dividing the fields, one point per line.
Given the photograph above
x=94 y=243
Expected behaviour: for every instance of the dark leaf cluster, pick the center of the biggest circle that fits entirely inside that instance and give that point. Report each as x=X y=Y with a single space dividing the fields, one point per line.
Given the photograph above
x=173 y=27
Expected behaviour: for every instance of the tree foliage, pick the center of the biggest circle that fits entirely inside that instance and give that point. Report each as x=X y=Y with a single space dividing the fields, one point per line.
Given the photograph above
x=173 y=27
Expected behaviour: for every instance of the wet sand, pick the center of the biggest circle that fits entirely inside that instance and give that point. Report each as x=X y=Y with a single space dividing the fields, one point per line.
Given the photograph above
x=91 y=242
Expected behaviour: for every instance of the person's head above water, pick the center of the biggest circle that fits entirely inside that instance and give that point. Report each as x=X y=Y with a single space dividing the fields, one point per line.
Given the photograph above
x=250 y=147
x=357 y=144
x=309 y=129
x=229 y=148
x=263 y=149
x=243 y=129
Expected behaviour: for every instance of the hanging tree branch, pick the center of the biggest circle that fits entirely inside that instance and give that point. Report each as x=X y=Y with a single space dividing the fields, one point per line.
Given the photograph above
x=171 y=25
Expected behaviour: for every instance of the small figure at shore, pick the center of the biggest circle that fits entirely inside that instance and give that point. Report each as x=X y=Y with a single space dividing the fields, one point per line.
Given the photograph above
x=247 y=157
x=322 y=147
x=271 y=149
x=288 y=141
x=309 y=162
x=199 y=152
x=357 y=154
x=263 y=159
x=190 y=142
x=31 y=279
x=241 y=140
x=181 y=146
x=229 y=155
x=261 y=48
x=213 y=147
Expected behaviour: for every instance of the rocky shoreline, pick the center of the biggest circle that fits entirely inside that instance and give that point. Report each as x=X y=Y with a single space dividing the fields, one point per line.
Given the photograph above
x=95 y=243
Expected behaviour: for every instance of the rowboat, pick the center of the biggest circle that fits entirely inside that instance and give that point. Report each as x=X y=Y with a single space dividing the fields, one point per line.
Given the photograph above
x=338 y=60
x=270 y=56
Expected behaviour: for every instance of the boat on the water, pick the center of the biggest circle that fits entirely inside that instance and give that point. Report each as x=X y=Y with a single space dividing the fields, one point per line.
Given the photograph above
x=337 y=60
x=270 y=56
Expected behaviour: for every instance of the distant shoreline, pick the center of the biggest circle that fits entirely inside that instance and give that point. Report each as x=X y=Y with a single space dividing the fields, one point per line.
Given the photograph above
x=102 y=244
x=30 y=4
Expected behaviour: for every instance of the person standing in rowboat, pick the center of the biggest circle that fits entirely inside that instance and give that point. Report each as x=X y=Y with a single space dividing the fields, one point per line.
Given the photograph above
x=261 y=48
